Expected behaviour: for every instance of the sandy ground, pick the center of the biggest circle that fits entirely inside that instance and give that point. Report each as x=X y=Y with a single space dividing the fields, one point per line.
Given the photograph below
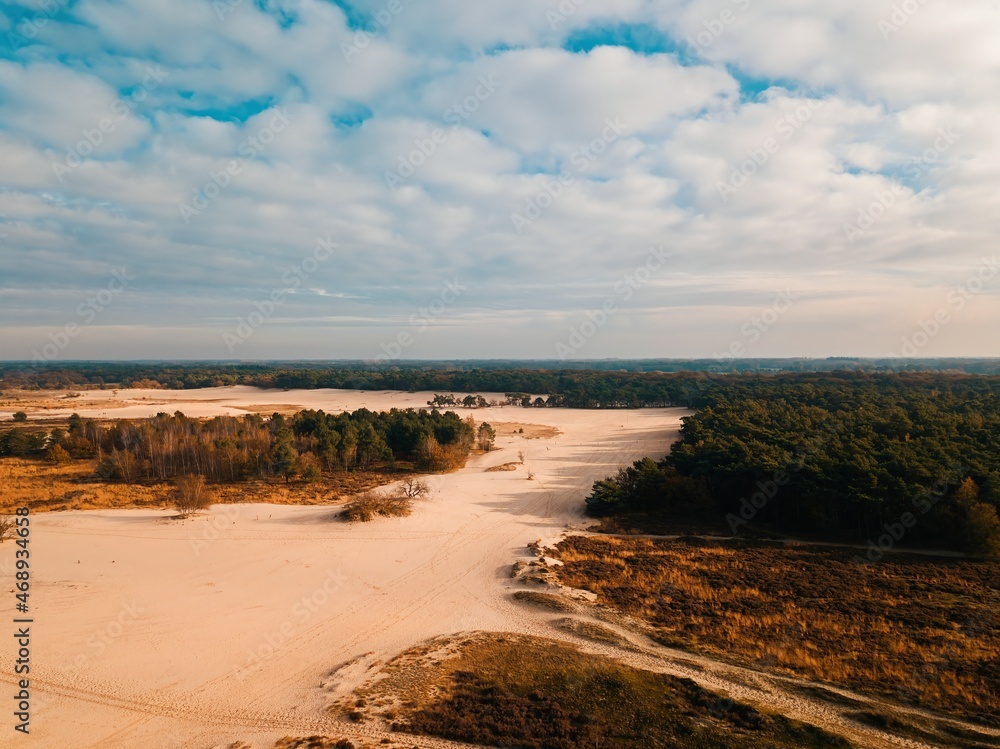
x=233 y=401
x=246 y=623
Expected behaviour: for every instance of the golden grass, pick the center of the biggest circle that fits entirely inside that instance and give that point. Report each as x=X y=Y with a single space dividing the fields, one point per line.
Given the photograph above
x=74 y=486
x=921 y=630
x=513 y=690
x=531 y=431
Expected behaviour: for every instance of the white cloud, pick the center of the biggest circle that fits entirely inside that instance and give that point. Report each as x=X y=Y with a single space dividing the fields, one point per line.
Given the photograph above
x=526 y=108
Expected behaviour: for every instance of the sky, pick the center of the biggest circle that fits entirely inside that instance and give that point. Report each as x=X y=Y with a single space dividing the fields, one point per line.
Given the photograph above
x=412 y=179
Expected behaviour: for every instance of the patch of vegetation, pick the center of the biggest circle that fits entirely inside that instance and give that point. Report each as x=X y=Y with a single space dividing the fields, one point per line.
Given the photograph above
x=502 y=468
x=53 y=487
x=544 y=600
x=921 y=630
x=313 y=742
x=592 y=631
x=372 y=504
x=191 y=494
x=948 y=737
x=512 y=690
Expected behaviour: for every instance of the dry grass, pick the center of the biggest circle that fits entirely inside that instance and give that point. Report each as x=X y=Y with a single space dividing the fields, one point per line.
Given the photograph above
x=531 y=431
x=513 y=690
x=45 y=487
x=268 y=409
x=39 y=402
x=504 y=467
x=544 y=600
x=313 y=742
x=920 y=630
x=592 y=631
x=371 y=504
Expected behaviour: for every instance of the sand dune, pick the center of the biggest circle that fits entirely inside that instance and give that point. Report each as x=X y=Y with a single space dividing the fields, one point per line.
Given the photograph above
x=164 y=633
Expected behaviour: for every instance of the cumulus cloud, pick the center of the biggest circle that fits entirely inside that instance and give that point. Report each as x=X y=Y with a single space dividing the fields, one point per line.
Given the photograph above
x=533 y=151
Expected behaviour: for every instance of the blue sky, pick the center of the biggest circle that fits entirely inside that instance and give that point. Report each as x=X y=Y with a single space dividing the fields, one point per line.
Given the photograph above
x=312 y=179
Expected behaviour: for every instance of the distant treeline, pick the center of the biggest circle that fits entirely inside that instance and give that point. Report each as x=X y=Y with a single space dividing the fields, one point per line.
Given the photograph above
x=575 y=384
x=904 y=460
x=228 y=448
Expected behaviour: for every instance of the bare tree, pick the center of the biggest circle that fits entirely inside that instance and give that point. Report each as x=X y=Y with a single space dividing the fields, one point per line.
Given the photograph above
x=521 y=456
x=414 y=488
x=6 y=528
x=191 y=494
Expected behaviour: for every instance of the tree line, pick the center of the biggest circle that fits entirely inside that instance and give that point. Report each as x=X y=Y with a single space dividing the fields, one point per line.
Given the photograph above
x=368 y=374
x=230 y=448
x=908 y=460
x=562 y=387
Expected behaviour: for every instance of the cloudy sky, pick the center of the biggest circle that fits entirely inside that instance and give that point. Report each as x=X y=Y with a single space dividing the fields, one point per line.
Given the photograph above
x=528 y=178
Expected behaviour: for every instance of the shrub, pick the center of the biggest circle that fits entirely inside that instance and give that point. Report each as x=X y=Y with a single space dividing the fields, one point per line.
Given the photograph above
x=191 y=494
x=57 y=454
x=414 y=488
x=20 y=416
x=368 y=505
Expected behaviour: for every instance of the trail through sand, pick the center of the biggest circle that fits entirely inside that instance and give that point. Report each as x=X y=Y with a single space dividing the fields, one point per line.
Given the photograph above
x=248 y=622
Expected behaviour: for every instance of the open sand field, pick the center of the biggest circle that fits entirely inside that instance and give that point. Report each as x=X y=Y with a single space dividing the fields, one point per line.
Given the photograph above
x=248 y=622
x=227 y=401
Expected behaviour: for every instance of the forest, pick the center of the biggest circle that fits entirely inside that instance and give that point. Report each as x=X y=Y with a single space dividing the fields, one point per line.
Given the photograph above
x=901 y=460
x=627 y=385
x=230 y=449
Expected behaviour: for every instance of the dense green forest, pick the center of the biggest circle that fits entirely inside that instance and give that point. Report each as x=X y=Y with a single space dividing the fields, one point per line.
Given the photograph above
x=227 y=448
x=908 y=460
x=611 y=384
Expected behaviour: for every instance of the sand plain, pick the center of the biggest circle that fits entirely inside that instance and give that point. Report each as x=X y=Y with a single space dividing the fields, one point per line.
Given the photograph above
x=247 y=622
